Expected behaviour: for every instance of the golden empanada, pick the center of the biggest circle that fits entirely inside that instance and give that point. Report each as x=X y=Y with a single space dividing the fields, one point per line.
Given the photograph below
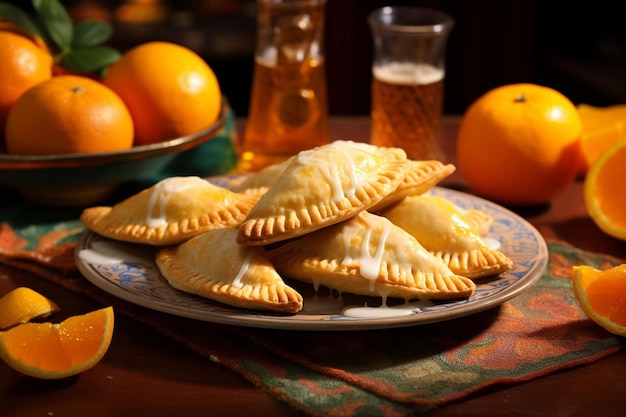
x=323 y=186
x=421 y=176
x=441 y=228
x=212 y=265
x=368 y=255
x=171 y=211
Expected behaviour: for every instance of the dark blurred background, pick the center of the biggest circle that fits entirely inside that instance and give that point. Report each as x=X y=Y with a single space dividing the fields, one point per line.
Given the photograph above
x=578 y=48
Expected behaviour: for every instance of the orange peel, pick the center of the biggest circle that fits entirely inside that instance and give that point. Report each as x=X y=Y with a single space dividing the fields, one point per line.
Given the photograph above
x=22 y=305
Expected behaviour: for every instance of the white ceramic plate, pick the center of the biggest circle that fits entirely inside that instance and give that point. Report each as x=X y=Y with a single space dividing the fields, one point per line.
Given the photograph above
x=135 y=278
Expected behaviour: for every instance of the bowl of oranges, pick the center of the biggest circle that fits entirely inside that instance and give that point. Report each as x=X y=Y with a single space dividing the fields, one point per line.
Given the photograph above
x=80 y=119
x=78 y=179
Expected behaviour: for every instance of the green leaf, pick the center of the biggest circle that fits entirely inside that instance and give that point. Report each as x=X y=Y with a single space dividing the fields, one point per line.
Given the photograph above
x=19 y=17
x=91 y=33
x=56 y=21
x=89 y=59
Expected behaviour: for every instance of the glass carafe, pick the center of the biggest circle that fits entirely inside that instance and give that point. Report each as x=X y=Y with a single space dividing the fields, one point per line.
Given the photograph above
x=288 y=105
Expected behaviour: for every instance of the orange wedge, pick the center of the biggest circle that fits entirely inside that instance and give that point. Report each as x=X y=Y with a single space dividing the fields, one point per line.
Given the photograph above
x=602 y=128
x=595 y=117
x=602 y=295
x=594 y=142
x=22 y=305
x=53 y=351
x=605 y=191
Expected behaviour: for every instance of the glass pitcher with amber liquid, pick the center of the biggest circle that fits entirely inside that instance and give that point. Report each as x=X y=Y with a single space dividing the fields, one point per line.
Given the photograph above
x=288 y=105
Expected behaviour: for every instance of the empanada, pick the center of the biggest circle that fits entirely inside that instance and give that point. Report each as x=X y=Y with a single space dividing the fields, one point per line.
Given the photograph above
x=421 y=176
x=368 y=255
x=212 y=265
x=441 y=228
x=323 y=186
x=171 y=211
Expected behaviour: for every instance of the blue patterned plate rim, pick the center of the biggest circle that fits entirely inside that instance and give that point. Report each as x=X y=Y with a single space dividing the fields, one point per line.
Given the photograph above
x=140 y=282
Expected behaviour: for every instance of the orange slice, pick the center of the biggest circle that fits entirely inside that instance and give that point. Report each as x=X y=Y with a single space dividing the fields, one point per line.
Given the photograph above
x=595 y=117
x=594 y=142
x=22 y=305
x=52 y=351
x=602 y=127
x=605 y=191
x=602 y=295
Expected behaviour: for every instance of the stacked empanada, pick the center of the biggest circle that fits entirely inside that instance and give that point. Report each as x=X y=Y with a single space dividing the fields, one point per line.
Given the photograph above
x=171 y=211
x=349 y=216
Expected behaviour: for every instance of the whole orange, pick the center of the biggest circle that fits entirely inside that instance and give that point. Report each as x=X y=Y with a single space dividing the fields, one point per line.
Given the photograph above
x=68 y=114
x=24 y=62
x=518 y=144
x=169 y=89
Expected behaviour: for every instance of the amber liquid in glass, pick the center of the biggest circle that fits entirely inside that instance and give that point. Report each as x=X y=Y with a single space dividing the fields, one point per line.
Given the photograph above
x=407 y=102
x=287 y=114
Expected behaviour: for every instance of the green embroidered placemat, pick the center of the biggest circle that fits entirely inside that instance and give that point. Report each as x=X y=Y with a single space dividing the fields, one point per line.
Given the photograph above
x=403 y=371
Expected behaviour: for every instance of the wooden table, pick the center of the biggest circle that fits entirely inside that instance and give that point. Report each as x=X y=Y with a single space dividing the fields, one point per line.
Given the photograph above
x=147 y=374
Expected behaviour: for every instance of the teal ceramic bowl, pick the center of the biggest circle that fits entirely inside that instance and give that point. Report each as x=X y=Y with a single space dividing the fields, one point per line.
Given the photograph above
x=85 y=179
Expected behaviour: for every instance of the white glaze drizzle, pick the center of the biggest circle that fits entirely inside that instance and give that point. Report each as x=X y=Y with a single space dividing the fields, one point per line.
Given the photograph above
x=369 y=264
x=161 y=194
x=244 y=268
x=329 y=169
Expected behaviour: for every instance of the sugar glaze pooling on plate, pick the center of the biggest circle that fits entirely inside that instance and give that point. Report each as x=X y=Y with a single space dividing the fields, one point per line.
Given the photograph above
x=113 y=253
x=332 y=304
x=384 y=311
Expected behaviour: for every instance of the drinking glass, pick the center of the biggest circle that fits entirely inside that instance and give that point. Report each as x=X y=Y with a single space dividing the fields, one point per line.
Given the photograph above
x=408 y=72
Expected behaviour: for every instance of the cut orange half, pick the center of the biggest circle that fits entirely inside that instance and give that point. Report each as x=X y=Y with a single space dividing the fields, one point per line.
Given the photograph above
x=22 y=305
x=53 y=351
x=605 y=191
x=602 y=295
